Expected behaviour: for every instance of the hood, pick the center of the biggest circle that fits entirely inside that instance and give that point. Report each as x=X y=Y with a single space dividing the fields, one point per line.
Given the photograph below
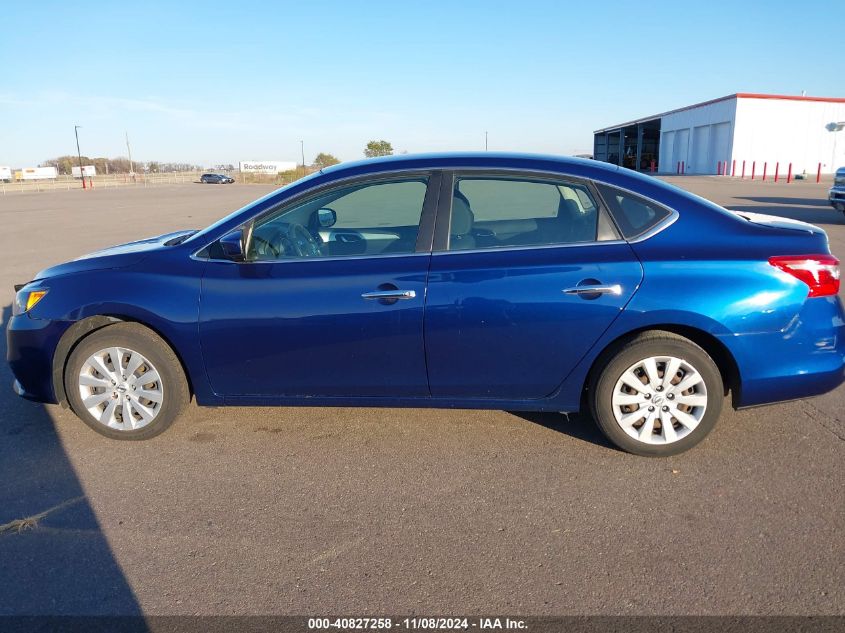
x=118 y=256
x=777 y=222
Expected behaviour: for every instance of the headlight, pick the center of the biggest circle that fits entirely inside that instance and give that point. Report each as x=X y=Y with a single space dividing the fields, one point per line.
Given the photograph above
x=25 y=300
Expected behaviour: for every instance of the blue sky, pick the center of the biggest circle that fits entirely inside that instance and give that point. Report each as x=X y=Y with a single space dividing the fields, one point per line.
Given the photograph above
x=211 y=82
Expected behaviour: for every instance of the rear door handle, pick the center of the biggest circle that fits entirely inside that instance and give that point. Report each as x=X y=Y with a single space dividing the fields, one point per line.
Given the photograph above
x=389 y=294
x=594 y=289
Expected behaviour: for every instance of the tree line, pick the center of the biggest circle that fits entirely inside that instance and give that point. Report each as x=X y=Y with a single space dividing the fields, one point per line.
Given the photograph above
x=121 y=164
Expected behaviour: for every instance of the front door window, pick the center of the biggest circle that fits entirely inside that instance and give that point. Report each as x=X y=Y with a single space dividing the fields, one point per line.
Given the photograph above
x=380 y=218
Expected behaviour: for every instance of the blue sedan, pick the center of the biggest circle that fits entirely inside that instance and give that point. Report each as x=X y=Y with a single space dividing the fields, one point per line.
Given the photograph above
x=464 y=281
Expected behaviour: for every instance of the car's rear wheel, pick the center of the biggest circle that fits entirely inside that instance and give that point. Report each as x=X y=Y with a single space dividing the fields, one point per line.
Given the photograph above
x=658 y=395
x=125 y=382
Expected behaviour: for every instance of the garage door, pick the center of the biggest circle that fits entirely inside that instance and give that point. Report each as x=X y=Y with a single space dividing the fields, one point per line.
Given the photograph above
x=681 y=147
x=667 y=160
x=700 y=150
x=720 y=138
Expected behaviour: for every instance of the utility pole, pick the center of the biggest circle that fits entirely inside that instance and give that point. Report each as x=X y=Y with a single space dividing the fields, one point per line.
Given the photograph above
x=79 y=154
x=129 y=150
x=485 y=141
x=302 y=147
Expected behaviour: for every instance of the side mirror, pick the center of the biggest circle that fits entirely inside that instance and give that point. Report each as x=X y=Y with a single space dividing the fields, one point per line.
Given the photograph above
x=233 y=245
x=326 y=217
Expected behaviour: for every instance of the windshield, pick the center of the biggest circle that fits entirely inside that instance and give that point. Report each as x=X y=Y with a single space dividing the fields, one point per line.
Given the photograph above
x=209 y=229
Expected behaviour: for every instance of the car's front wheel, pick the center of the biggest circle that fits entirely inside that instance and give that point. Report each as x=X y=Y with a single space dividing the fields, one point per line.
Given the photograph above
x=125 y=382
x=657 y=395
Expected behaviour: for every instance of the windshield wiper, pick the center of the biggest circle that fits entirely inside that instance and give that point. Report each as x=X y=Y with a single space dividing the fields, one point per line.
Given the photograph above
x=179 y=238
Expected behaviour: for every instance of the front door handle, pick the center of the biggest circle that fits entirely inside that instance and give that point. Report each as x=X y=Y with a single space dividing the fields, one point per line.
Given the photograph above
x=389 y=294
x=594 y=289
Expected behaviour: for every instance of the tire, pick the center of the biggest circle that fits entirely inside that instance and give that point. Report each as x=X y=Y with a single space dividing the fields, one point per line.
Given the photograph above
x=691 y=413
x=125 y=409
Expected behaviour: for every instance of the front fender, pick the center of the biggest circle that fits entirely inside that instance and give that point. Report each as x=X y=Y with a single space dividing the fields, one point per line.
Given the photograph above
x=161 y=293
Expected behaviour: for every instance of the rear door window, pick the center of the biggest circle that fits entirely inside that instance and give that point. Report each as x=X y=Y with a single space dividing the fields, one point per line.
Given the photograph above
x=490 y=212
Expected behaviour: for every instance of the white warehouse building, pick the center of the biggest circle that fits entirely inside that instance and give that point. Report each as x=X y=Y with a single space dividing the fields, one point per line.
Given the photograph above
x=717 y=137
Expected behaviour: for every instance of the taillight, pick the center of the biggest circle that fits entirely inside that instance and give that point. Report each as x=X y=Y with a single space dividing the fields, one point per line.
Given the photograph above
x=820 y=272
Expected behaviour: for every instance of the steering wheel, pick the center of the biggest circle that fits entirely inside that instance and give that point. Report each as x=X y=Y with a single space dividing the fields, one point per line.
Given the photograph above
x=296 y=240
x=263 y=248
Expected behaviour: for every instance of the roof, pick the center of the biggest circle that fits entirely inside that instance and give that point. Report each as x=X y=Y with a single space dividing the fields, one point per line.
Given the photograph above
x=738 y=95
x=457 y=160
x=598 y=171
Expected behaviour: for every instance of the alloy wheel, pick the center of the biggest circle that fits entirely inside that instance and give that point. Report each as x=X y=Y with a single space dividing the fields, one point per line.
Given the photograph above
x=659 y=400
x=120 y=388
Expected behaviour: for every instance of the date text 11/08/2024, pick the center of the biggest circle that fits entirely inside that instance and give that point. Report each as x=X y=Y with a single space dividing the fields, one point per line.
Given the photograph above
x=418 y=623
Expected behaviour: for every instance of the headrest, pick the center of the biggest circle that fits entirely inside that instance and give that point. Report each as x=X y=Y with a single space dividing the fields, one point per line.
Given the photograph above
x=636 y=212
x=462 y=217
x=568 y=209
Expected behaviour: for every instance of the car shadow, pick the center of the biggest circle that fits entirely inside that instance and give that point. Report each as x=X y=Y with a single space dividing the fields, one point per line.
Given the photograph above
x=576 y=425
x=55 y=558
x=810 y=210
x=787 y=202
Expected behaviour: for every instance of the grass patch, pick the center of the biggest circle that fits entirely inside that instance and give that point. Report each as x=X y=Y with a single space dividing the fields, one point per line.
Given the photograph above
x=30 y=523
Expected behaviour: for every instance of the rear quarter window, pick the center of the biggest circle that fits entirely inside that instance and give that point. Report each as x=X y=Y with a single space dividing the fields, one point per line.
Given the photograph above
x=634 y=215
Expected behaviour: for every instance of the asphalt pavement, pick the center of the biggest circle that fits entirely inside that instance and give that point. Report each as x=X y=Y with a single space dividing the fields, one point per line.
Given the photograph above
x=313 y=511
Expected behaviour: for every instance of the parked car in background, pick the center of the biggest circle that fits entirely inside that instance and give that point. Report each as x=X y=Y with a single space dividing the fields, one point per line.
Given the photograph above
x=836 y=195
x=491 y=281
x=216 y=179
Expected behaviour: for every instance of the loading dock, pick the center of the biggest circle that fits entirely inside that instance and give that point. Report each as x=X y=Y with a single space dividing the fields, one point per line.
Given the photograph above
x=714 y=136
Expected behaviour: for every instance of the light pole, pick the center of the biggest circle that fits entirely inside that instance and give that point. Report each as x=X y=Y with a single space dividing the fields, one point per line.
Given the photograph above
x=302 y=149
x=129 y=150
x=79 y=154
x=485 y=141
